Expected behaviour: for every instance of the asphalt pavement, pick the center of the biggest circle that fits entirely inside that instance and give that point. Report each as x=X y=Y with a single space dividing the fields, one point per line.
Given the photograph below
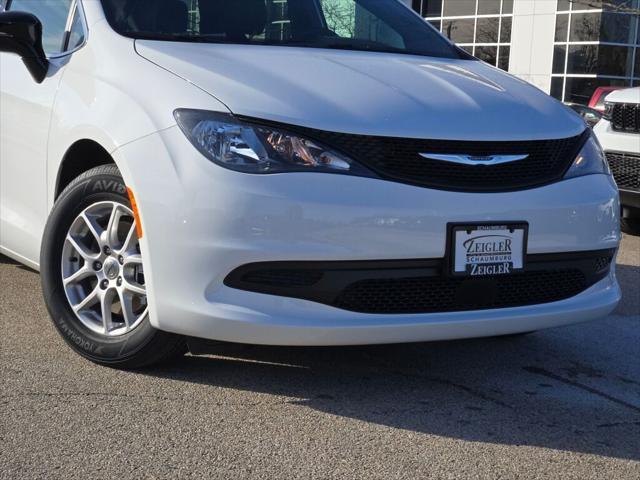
x=562 y=403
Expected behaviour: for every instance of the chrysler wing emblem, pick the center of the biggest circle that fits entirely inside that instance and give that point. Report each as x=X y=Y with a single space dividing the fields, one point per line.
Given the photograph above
x=475 y=160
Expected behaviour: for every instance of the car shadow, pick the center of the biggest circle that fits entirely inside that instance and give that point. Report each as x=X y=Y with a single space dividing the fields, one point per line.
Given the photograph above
x=4 y=260
x=536 y=390
x=7 y=261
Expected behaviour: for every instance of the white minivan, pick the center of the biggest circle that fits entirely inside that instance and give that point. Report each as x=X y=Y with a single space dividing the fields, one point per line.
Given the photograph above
x=288 y=172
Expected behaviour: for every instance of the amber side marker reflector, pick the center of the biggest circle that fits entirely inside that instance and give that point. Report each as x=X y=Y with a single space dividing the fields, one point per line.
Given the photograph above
x=136 y=215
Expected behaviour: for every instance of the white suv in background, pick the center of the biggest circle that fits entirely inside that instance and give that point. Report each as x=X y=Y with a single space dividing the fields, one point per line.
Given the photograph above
x=252 y=173
x=619 y=135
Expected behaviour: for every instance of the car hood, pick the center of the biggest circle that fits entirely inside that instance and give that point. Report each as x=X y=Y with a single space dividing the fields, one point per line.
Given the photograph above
x=627 y=95
x=368 y=93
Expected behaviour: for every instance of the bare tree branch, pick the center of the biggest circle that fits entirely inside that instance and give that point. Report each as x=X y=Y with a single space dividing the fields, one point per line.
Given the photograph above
x=340 y=17
x=624 y=6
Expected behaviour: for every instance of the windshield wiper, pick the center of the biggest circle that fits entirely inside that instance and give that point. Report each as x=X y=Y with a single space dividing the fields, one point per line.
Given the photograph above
x=338 y=43
x=175 y=37
x=361 y=48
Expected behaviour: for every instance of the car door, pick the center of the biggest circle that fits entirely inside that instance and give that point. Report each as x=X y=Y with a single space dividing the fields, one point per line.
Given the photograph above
x=25 y=116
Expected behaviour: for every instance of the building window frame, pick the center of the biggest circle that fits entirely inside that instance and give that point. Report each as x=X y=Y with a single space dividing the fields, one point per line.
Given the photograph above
x=634 y=45
x=471 y=47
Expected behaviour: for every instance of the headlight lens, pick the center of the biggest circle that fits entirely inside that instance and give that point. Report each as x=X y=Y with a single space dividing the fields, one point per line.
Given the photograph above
x=590 y=160
x=608 y=111
x=251 y=148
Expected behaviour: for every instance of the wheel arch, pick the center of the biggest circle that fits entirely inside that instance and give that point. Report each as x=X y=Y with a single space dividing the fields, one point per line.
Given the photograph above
x=81 y=156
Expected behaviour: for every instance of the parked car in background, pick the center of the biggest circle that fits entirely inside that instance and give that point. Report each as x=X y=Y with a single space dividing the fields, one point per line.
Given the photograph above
x=590 y=115
x=218 y=173
x=619 y=135
x=599 y=96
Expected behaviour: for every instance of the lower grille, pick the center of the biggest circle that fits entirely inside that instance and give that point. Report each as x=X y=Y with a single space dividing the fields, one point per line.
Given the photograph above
x=420 y=286
x=626 y=169
x=436 y=294
x=283 y=278
x=625 y=117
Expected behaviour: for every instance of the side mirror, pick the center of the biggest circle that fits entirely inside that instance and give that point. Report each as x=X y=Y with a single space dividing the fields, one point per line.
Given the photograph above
x=21 y=33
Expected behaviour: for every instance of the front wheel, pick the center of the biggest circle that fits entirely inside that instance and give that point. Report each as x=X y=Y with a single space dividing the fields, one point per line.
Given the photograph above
x=93 y=277
x=630 y=225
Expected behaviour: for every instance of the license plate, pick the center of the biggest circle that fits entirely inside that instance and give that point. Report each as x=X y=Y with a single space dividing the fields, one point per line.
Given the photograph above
x=487 y=250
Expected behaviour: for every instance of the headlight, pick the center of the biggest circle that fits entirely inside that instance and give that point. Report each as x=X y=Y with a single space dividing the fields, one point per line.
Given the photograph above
x=590 y=160
x=253 y=148
x=608 y=111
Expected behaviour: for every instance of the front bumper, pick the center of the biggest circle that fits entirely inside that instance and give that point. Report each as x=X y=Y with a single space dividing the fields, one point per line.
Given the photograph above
x=616 y=141
x=201 y=222
x=623 y=153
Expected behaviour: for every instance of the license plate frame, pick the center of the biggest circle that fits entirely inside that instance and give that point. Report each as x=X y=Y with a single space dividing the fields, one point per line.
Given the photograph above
x=518 y=231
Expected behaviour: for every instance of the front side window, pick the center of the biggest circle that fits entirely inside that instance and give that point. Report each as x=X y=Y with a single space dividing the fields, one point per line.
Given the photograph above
x=370 y=25
x=52 y=14
x=76 y=35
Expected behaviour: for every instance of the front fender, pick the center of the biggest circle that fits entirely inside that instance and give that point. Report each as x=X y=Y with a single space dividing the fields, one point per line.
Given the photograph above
x=113 y=96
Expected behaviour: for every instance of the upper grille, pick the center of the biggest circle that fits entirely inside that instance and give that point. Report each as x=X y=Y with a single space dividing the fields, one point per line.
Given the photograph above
x=399 y=159
x=626 y=169
x=625 y=117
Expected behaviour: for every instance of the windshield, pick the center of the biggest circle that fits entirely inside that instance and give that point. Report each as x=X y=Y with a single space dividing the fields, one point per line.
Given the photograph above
x=371 y=25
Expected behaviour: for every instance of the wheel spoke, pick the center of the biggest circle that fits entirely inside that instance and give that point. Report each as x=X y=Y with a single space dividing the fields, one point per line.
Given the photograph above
x=126 y=303
x=81 y=274
x=134 y=288
x=132 y=260
x=112 y=226
x=94 y=228
x=129 y=242
x=84 y=252
x=88 y=301
x=106 y=304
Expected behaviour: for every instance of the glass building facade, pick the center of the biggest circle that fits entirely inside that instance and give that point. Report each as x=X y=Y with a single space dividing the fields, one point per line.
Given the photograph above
x=573 y=46
x=481 y=27
x=594 y=47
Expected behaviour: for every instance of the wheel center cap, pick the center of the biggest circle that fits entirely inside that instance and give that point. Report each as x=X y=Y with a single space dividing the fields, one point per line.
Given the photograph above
x=111 y=268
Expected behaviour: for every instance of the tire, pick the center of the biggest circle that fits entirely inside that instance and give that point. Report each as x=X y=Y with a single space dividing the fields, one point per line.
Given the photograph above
x=630 y=226
x=125 y=339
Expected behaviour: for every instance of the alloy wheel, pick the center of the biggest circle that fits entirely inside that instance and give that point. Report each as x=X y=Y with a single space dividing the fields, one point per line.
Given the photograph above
x=102 y=271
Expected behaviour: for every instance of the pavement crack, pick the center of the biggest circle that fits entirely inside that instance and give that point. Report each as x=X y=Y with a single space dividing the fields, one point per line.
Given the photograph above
x=448 y=383
x=586 y=388
x=470 y=391
x=617 y=424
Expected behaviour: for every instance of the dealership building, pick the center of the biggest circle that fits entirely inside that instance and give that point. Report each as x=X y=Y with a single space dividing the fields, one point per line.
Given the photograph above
x=567 y=48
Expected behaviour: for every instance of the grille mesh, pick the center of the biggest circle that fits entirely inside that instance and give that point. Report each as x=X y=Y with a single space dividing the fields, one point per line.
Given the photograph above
x=625 y=117
x=283 y=278
x=602 y=263
x=399 y=159
x=438 y=294
x=626 y=169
